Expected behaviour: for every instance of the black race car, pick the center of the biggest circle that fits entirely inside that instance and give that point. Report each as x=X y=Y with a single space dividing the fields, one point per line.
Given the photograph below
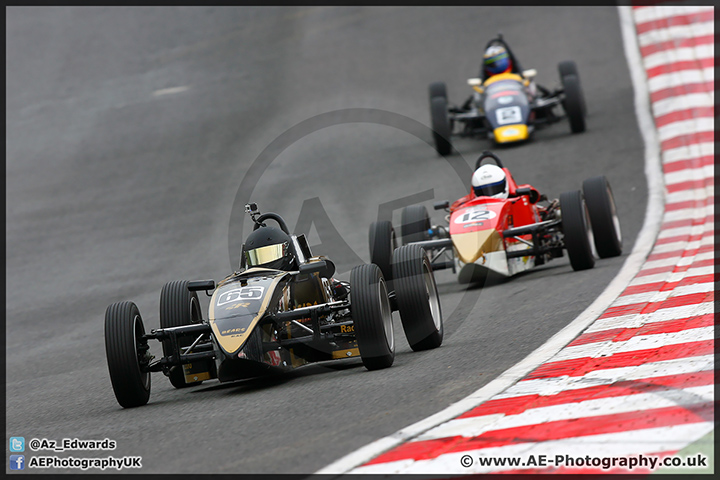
x=264 y=320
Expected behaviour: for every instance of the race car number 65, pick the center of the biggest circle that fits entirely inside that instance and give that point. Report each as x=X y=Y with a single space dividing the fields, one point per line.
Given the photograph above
x=244 y=293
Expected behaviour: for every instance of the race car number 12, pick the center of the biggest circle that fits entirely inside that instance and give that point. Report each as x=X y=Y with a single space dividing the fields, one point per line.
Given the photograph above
x=475 y=216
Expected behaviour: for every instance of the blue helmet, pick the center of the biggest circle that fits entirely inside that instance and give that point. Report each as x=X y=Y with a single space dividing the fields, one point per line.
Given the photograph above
x=496 y=60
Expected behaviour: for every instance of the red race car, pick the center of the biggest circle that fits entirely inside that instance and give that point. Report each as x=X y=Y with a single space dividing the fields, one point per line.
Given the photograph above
x=506 y=228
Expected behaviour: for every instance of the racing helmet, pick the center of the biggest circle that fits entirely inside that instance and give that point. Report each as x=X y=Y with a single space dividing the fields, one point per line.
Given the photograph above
x=269 y=247
x=490 y=181
x=496 y=60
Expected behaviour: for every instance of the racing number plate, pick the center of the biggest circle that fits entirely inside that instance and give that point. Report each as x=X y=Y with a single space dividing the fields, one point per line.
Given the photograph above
x=475 y=214
x=243 y=293
x=508 y=115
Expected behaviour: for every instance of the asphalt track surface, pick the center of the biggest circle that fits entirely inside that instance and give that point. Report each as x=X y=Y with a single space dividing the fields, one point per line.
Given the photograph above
x=129 y=131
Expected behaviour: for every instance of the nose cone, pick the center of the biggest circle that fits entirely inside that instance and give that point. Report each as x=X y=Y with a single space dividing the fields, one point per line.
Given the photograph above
x=471 y=246
x=511 y=133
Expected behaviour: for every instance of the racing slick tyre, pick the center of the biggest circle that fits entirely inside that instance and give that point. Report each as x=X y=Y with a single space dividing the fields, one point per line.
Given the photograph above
x=568 y=67
x=573 y=103
x=440 y=125
x=603 y=216
x=382 y=245
x=415 y=224
x=577 y=229
x=417 y=298
x=178 y=307
x=127 y=354
x=437 y=89
x=372 y=316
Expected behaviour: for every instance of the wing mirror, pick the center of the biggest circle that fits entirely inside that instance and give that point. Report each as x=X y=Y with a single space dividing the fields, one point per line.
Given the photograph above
x=529 y=73
x=533 y=195
x=474 y=82
x=199 y=285
x=326 y=268
x=441 y=205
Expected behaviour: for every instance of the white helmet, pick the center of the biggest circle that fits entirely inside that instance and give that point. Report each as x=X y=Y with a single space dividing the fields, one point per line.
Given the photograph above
x=490 y=181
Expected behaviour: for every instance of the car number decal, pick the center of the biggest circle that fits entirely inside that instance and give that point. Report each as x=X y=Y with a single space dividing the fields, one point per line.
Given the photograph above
x=243 y=293
x=508 y=115
x=476 y=214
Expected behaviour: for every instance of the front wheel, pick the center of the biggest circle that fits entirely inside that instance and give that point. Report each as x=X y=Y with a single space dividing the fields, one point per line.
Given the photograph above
x=372 y=317
x=440 y=125
x=577 y=230
x=127 y=354
x=603 y=216
x=417 y=298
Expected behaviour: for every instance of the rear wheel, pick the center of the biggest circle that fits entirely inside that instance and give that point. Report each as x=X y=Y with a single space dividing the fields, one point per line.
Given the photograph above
x=415 y=224
x=372 y=317
x=178 y=307
x=417 y=298
x=568 y=67
x=573 y=103
x=127 y=354
x=440 y=125
x=382 y=244
x=437 y=89
x=603 y=216
x=577 y=230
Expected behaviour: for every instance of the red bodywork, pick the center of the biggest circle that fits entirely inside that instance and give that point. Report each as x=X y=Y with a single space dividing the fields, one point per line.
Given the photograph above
x=466 y=212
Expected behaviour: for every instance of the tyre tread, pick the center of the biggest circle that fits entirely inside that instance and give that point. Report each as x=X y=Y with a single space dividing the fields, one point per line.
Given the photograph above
x=120 y=351
x=576 y=241
x=366 y=313
x=415 y=311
